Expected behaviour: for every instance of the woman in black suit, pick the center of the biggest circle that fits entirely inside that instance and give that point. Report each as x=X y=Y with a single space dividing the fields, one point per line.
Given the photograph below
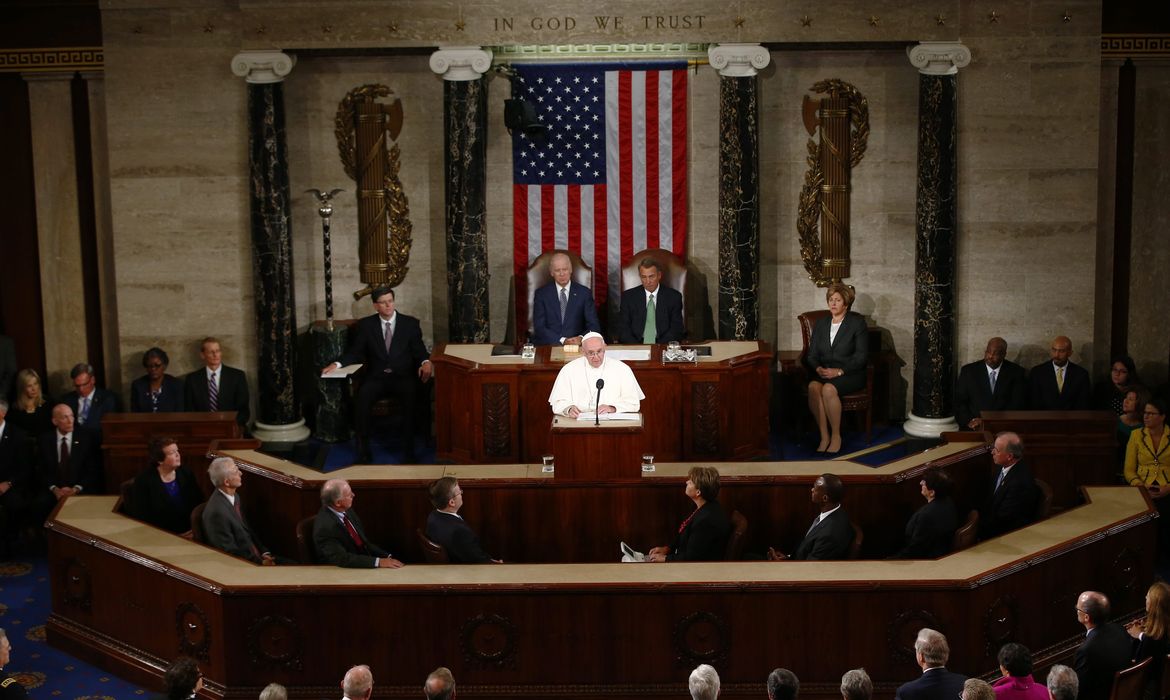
x=838 y=352
x=166 y=492
x=931 y=530
x=1152 y=636
x=156 y=391
x=703 y=535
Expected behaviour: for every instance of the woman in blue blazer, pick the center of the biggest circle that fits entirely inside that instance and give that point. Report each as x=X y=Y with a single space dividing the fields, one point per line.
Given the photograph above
x=838 y=352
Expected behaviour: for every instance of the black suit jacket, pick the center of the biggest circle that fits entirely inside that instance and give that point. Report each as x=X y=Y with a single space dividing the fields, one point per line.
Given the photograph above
x=233 y=393
x=14 y=456
x=366 y=345
x=1106 y=650
x=149 y=500
x=333 y=545
x=457 y=538
x=850 y=351
x=830 y=539
x=580 y=314
x=227 y=530
x=1012 y=505
x=930 y=531
x=1042 y=393
x=103 y=402
x=933 y=684
x=973 y=391
x=705 y=536
x=170 y=399
x=668 y=315
x=84 y=462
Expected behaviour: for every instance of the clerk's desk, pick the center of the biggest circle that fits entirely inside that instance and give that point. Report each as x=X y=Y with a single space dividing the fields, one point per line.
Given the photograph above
x=130 y=597
x=495 y=409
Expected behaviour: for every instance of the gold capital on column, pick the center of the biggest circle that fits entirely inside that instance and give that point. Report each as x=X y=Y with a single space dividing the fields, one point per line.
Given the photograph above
x=260 y=67
x=461 y=62
x=939 y=57
x=738 y=60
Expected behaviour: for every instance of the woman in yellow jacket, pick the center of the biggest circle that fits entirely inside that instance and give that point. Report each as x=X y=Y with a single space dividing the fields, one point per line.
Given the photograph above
x=1147 y=456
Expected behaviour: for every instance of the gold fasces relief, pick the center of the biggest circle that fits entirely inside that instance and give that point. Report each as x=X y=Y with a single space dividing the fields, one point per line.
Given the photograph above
x=367 y=135
x=822 y=220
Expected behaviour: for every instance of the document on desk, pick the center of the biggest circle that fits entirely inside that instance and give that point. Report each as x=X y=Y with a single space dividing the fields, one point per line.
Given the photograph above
x=631 y=554
x=629 y=354
x=342 y=372
x=608 y=416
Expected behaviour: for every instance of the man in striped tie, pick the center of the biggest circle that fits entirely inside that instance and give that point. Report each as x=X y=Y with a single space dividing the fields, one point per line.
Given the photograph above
x=563 y=311
x=652 y=313
x=215 y=386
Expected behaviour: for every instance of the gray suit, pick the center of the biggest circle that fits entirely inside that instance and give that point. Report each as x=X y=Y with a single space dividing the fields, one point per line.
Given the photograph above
x=226 y=529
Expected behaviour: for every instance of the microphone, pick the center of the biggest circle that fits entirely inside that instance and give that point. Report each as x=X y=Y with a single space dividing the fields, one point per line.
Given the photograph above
x=597 y=407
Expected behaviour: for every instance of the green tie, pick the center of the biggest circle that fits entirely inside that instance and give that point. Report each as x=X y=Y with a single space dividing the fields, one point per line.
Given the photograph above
x=651 y=329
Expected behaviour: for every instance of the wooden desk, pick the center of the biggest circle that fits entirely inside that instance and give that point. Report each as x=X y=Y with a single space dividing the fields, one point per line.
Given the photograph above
x=125 y=437
x=495 y=410
x=610 y=451
x=129 y=597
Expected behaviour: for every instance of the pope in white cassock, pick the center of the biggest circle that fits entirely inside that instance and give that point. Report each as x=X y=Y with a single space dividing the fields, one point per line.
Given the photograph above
x=575 y=391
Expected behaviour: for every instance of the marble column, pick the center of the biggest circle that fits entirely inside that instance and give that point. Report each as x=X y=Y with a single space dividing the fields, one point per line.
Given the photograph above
x=739 y=187
x=933 y=409
x=278 y=416
x=465 y=167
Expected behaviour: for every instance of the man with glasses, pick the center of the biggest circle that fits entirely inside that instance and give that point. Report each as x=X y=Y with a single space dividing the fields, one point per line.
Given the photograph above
x=1012 y=501
x=88 y=402
x=575 y=391
x=1105 y=651
x=446 y=527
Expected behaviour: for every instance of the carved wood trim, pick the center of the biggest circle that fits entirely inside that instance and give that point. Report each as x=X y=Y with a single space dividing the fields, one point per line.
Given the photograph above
x=497 y=420
x=705 y=418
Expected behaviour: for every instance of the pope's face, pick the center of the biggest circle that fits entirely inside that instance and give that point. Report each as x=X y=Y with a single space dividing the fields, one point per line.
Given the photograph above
x=594 y=351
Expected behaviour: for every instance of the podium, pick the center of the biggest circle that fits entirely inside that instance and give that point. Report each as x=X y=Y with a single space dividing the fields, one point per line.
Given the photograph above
x=586 y=452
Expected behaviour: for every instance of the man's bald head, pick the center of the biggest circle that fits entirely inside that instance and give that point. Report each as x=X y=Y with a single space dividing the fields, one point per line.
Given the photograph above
x=358 y=683
x=440 y=685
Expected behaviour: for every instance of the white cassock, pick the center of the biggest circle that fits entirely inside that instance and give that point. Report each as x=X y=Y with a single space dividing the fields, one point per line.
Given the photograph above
x=576 y=385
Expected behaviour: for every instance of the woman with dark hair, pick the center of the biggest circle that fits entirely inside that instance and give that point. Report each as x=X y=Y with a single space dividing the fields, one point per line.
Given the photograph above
x=838 y=352
x=1130 y=419
x=1108 y=395
x=156 y=391
x=182 y=679
x=166 y=492
x=1152 y=636
x=1015 y=663
x=1147 y=456
x=703 y=535
x=931 y=530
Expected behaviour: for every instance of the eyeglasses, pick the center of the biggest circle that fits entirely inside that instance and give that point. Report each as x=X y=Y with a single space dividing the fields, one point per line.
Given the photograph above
x=594 y=353
x=1151 y=413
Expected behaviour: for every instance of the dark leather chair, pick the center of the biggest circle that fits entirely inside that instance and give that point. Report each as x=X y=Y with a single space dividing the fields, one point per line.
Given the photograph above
x=305 y=550
x=434 y=552
x=1044 y=502
x=538 y=276
x=197 y=532
x=1128 y=683
x=1164 y=691
x=858 y=540
x=738 y=538
x=674 y=271
x=967 y=534
x=859 y=402
x=124 y=505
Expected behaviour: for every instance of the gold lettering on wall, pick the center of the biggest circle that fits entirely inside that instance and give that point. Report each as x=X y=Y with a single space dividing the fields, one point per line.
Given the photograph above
x=613 y=23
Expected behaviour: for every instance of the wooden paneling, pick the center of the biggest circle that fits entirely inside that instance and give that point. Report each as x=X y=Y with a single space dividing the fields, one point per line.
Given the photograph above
x=125 y=437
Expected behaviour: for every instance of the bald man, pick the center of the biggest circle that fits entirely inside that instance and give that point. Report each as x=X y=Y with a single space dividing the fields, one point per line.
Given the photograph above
x=1105 y=651
x=990 y=384
x=358 y=683
x=1059 y=385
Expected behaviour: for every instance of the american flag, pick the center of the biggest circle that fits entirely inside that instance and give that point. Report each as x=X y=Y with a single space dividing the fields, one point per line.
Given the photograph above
x=609 y=178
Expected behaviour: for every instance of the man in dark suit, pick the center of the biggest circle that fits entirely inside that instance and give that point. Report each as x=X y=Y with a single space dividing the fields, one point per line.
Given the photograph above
x=1105 y=651
x=563 y=311
x=651 y=299
x=338 y=536
x=14 y=477
x=1059 y=385
x=446 y=527
x=831 y=533
x=215 y=386
x=993 y=384
x=69 y=462
x=224 y=525
x=397 y=364
x=1012 y=501
x=936 y=682
x=89 y=403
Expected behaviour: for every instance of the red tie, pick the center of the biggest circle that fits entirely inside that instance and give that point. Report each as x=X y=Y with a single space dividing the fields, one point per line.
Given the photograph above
x=353 y=534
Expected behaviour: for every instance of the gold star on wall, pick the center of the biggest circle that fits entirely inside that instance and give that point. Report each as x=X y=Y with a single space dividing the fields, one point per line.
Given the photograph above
x=993 y=17
x=327 y=29
x=392 y=27
x=208 y=28
x=806 y=21
x=940 y=20
x=739 y=21
x=873 y=20
x=1067 y=17
x=459 y=25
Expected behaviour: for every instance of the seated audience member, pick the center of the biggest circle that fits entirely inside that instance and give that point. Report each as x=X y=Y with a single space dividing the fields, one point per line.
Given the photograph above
x=215 y=386
x=931 y=530
x=1062 y=683
x=856 y=685
x=446 y=527
x=15 y=473
x=70 y=462
x=838 y=353
x=440 y=685
x=338 y=536
x=274 y=691
x=390 y=345
x=975 y=689
x=223 y=517
x=1152 y=636
x=1148 y=449
x=783 y=685
x=1012 y=501
x=10 y=688
x=165 y=493
x=1106 y=650
x=576 y=389
x=831 y=533
x=931 y=652
x=358 y=683
x=1059 y=385
x=30 y=412
x=562 y=312
x=651 y=313
x=704 y=683
x=703 y=535
x=88 y=402
x=1015 y=663
x=156 y=391
x=990 y=384
x=1109 y=393
x=1132 y=408
x=182 y=679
